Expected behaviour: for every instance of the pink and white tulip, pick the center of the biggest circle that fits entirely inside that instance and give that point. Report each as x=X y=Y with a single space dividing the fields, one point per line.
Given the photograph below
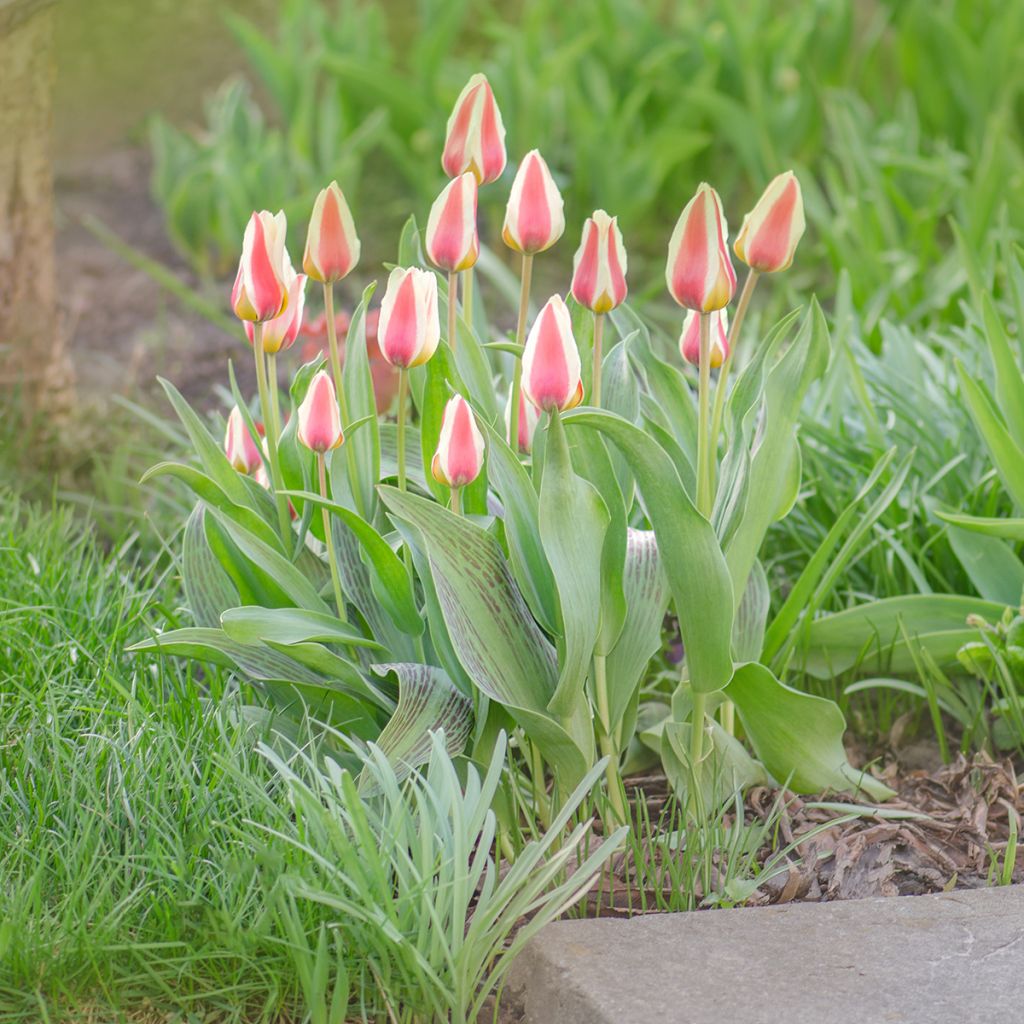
x=599 y=268
x=534 y=217
x=332 y=245
x=475 y=139
x=460 y=448
x=771 y=231
x=689 y=340
x=529 y=417
x=265 y=274
x=551 y=360
x=409 y=329
x=699 y=271
x=319 y=426
x=239 y=446
x=281 y=332
x=452 y=241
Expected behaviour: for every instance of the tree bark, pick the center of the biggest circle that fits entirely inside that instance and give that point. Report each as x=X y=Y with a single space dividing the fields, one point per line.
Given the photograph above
x=33 y=353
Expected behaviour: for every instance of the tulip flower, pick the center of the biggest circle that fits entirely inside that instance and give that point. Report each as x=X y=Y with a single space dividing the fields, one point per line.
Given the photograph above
x=460 y=448
x=599 y=267
x=529 y=417
x=260 y=292
x=534 y=220
x=409 y=329
x=239 y=446
x=599 y=279
x=551 y=361
x=452 y=242
x=319 y=426
x=280 y=333
x=475 y=139
x=320 y=430
x=771 y=231
x=699 y=271
x=332 y=245
x=689 y=340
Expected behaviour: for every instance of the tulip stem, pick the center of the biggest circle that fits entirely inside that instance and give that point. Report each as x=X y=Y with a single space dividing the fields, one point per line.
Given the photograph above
x=609 y=749
x=453 y=292
x=517 y=371
x=467 y=296
x=703 y=419
x=723 y=376
x=595 y=388
x=283 y=518
x=339 y=390
x=403 y=401
x=457 y=501
x=339 y=598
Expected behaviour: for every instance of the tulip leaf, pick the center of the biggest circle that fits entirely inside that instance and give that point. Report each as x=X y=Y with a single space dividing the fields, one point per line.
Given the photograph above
x=362 y=448
x=573 y=521
x=389 y=578
x=519 y=515
x=694 y=564
x=1008 y=529
x=251 y=624
x=647 y=594
x=427 y=701
x=871 y=636
x=798 y=737
x=991 y=565
x=751 y=616
x=495 y=638
x=208 y=588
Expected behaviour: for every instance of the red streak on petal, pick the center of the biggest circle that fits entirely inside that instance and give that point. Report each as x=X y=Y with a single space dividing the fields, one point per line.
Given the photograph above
x=615 y=271
x=462 y=464
x=448 y=240
x=769 y=248
x=689 y=274
x=400 y=343
x=584 y=282
x=534 y=213
x=491 y=146
x=334 y=257
x=265 y=283
x=454 y=158
x=549 y=374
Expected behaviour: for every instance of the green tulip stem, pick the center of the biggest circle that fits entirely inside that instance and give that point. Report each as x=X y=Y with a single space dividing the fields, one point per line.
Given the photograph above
x=453 y=303
x=595 y=388
x=457 y=501
x=517 y=372
x=606 y=740
x=284 y=521
x=332 y=558
x=403 y=402
x=723 y=376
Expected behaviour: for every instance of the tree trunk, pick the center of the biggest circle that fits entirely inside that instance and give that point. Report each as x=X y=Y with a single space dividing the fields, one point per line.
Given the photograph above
x=33 y=354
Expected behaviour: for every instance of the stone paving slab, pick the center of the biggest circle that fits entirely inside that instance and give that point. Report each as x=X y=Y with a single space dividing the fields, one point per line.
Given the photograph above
x=952 y=958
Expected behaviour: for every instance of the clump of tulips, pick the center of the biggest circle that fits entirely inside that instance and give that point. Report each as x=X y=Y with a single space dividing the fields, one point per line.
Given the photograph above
x=502 y=553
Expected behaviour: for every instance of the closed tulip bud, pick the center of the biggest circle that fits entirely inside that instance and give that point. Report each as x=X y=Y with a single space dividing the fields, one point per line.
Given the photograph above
x=265 y=274
x=332 y=245
x=529 y=417
x=551 y=361
x=534 y=220
x=599 y=269
x=460 y=448
x=475 y=140
x=699 y=271
x=239 y=446
x=409 y=329
x=319 y=419
x=771 y=231
x=689 y=340
x=452 y=241
x=281 y=332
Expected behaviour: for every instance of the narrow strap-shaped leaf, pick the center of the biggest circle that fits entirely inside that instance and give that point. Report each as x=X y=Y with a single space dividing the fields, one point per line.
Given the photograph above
x=290 y=626
x=358 y=384
x=694 y=564
x=427 y=702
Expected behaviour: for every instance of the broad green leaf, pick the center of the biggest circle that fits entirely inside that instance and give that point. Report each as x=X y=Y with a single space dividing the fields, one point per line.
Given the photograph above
x=287 y=576
x=362 y=450
x=990 y=563
x=1008 y=529
x=870 y=635
x=250 y=625
x=751 y=616
x=389 y=577
x=573 y=521
x=797 y=736
x=526 y=553
x=208 y=588
x=693 y=561
x=494 y=636
x=427 y=702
